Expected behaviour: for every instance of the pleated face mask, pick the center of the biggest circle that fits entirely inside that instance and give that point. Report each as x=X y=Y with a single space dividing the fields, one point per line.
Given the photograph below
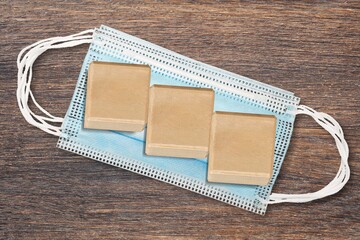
x=233 y=93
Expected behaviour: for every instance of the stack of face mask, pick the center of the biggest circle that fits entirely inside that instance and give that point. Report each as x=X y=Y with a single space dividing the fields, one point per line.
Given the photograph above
x=234 y=93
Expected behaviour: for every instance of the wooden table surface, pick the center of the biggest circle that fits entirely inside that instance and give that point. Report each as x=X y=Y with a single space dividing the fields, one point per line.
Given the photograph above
x=309 y=48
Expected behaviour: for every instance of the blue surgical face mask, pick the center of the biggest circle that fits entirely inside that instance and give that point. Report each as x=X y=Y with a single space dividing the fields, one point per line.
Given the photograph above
x=234 y=93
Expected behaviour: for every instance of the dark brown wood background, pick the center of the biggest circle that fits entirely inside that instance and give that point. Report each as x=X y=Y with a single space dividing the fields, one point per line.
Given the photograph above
x=310 y=48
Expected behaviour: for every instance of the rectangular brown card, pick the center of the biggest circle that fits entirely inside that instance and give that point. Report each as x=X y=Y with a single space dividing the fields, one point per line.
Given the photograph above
x=117 y=96
x=241 y=148
x=179 y=121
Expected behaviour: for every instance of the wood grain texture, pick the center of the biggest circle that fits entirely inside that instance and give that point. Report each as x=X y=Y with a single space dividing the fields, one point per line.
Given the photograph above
x=310 y=48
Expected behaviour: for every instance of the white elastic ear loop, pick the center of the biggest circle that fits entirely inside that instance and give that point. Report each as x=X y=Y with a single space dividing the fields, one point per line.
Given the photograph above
x=343 y=174
x=25 y=63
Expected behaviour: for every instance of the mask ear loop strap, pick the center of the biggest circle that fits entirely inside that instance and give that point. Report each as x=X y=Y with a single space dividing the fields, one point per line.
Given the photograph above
x=343 y=174
x=25 y=63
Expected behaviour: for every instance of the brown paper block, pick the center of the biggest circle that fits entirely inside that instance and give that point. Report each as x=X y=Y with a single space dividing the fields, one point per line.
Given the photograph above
x=117 y=96
x=179 y=121
x=241 y=148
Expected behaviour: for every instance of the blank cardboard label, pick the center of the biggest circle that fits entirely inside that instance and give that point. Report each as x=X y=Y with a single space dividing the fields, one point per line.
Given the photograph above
x=241 y=148
x=179 y=121
x=117 y=96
